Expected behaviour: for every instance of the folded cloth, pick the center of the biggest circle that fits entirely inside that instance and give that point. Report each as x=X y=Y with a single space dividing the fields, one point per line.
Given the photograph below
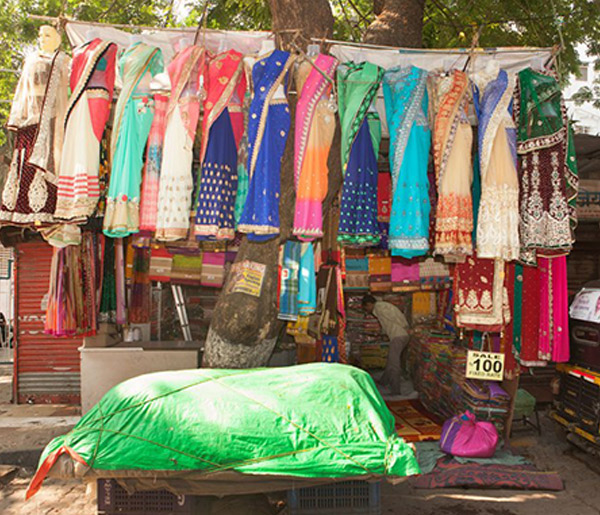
x=161 y=261
x=402 y=272
x=432 y=268
x=213 y=269
x=186 y=269
x=357 y=264
x=357 y=280
x=380 y=265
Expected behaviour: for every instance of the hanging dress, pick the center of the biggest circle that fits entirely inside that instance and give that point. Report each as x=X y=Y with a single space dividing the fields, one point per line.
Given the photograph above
x=406 y=105
x=242 y=160
x=222 y=127
x=92 y=85
x=186 y=72
x=548 y=168
x=498 y=217
x=36 y=115
x=133 y=117
x=481 y=300
x=361 y=135
x=452 y=141
x=151 y=178
x=315 y=127
x=268 y=128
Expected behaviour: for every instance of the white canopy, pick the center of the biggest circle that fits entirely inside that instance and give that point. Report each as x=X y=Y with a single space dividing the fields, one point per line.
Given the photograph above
x=168 y=40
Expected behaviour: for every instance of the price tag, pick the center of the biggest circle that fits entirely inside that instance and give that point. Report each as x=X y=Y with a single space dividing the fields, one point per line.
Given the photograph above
x=485 y=365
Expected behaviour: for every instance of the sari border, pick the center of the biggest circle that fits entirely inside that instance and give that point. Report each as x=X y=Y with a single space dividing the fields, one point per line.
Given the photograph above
x=409 y=115
x=224 y=99
x=495 y=121
x=128 y=93
x=307 y=121
x=88 y=70
x=265 y=112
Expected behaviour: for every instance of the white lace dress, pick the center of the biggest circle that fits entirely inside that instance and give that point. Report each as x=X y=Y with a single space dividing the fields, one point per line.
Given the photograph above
x=498 y=218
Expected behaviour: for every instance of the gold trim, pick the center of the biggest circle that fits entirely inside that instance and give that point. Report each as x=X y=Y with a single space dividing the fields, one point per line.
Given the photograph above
x=263 y=116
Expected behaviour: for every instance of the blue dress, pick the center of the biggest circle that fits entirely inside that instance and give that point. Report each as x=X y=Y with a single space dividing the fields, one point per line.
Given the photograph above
x=358 y=210
x=218 y=185
x=268 y=127
x=405 y=93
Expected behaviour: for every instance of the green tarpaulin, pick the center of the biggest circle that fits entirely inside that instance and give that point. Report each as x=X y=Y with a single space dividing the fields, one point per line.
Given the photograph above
x=308 y=421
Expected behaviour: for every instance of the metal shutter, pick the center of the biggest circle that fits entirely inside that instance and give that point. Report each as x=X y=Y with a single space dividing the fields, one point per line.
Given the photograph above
x=46 y=368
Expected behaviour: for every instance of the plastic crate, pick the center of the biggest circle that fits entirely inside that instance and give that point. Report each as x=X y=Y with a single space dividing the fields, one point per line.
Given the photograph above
x=343 y=498
x=114 y=500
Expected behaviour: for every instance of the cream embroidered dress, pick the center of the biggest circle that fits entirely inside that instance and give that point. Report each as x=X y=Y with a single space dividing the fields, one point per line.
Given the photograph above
x=498 y=219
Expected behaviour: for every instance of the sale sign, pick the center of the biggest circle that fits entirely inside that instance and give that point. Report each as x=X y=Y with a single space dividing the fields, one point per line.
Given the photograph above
x=485 y=365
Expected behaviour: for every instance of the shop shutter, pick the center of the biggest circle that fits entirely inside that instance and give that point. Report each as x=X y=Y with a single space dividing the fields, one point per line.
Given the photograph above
x=46 y=368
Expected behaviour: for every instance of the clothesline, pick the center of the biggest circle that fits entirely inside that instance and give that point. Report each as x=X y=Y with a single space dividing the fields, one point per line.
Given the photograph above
x=461 y=51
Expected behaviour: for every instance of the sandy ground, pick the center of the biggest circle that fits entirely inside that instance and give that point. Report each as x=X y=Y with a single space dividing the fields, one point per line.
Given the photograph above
x=23 y=428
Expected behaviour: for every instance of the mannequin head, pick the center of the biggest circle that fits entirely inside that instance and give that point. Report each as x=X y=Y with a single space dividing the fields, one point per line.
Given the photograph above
x=49 y=39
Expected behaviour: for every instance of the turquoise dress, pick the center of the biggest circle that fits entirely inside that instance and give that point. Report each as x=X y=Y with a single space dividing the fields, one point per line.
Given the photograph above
x=133 y=117
x=406 y=102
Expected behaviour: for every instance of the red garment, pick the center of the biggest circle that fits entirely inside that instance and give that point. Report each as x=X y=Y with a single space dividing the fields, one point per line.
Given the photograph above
x=481 y=300
x=28 y=198
x=510 y=362
x=384 y=196
x=530 y=316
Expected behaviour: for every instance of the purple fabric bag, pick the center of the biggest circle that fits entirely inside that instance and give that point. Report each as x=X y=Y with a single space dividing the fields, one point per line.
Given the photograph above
x=466 y=437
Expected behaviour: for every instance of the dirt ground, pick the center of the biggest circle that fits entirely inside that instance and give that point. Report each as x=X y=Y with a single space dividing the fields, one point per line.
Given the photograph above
x=22 y=429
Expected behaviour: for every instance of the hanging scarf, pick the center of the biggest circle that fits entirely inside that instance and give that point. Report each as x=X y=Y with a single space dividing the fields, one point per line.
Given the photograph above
x=73 y=292
x=452 y=140
x=92 y=85
x=289 y=280
x=151 y=179
x=242 y=159
x=141 y=287
x=548 y=167
x=222 y=127
x=268 y=127
x=307 y=282
x=406 y=104
x=186 y=72
x=315 y=127
x=134 y=113
x=498 y=218
x=361 y=134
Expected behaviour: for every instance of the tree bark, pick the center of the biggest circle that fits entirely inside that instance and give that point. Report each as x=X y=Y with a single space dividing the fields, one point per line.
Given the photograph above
x=244 y=329
x=399 y=24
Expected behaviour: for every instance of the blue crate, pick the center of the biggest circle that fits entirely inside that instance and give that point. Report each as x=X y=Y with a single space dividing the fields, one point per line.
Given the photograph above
x=341 y=498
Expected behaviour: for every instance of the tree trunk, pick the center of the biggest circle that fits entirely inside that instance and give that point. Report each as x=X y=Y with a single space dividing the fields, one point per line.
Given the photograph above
x=399 y=24
x=244 y=329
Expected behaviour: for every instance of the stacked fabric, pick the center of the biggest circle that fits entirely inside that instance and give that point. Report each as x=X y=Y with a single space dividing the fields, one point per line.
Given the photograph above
x=440 y=380
x=380 y=273
x=365 y=335
x=432 y=271
x=357 y=272
x=486 y=400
